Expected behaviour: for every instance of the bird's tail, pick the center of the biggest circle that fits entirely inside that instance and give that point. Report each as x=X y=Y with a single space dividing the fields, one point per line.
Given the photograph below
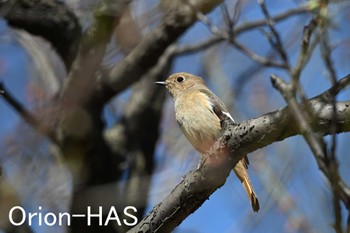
x=241 y=171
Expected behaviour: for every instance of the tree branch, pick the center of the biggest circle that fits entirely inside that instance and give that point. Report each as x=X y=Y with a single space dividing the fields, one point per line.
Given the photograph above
x=81 y=78
x=186 y=49
x=26 y=115
x=265 y=61
x=305 y=50
x=231 y=34
x=50 y=19
x=244 y=27
x=145 y=55
x=331 y=160
x=275 y=41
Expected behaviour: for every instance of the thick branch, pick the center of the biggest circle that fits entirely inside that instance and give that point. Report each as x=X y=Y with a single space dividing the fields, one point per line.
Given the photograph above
x=145 y=55
x=242 y=139
x=189 y=195
x=91 y=52
x=51 y=19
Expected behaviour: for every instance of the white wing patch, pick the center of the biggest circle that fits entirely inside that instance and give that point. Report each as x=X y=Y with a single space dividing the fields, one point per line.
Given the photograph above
x=229 y=115
x=215 y=104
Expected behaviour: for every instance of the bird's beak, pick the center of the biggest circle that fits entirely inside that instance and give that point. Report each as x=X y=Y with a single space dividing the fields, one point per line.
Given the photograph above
x=160 y=83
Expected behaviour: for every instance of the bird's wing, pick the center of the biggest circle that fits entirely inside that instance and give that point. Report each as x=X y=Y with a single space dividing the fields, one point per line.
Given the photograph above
x=220 y=110
x=218 y=107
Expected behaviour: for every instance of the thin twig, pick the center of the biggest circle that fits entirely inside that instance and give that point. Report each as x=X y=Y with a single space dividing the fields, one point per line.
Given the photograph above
x=229 y=36
x=219 y=37
x=331 y=159
x=304 y=51
x=26 y=115
x=307 y=46
x=326 y=55
x=257 y=58
x=226 y=15
x=336 y=88
x=214 y=29
x=197 y=47
x=277 y=42
x=314 y=141
x=227 y=19
x=244 y=27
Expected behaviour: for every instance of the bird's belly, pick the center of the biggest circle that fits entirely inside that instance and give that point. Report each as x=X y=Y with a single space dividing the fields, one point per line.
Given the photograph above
x=202 y=134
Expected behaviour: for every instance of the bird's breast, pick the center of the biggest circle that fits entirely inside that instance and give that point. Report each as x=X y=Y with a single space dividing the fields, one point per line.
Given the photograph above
x=198 y=122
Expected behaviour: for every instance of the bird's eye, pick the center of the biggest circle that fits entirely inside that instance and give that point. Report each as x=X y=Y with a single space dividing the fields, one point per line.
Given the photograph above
x=180 y=79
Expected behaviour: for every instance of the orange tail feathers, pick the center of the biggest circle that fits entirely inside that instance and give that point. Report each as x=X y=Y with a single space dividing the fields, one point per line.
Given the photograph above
x=241 y=171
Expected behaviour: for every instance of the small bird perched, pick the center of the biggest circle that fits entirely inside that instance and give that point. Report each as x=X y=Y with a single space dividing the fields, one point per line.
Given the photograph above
x=199 y=112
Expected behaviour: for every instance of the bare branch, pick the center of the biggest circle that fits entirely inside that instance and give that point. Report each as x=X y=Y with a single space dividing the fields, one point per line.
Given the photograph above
x=244 y=27
x=231 y=34
x=221 y=36
x=305 y=53
x=257 y=58
x=214 y=29
x=315 y=141
x=331 y=159
x=175 y=50
x=238 y=30
x=230 y=37
x=227 y=19
x=50 y=19
x=335 y=89
x=144 y=56
x=91 y=52
x=277 y=42
x=189 y=195
x=26 y=115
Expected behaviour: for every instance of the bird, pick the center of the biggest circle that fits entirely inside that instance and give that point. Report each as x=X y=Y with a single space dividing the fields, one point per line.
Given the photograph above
x=198 y=112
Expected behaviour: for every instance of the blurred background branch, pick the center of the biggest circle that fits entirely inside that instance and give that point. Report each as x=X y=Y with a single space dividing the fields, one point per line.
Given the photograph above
x=26 y=115
x=51 y=19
